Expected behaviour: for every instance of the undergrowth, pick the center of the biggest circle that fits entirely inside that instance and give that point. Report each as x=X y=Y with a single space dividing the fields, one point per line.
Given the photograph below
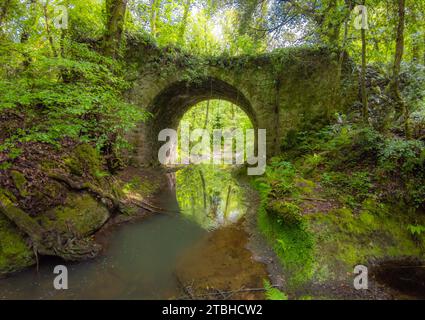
x=339 y=197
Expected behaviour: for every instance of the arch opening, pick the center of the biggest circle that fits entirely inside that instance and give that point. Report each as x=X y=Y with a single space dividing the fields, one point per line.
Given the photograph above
x=208 y=118
x=171 y=104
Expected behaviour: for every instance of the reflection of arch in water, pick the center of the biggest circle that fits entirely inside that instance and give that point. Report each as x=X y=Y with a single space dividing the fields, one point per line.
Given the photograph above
x=196 y=184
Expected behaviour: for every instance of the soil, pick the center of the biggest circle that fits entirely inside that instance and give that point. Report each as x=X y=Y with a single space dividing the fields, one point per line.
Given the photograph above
x=220 y=265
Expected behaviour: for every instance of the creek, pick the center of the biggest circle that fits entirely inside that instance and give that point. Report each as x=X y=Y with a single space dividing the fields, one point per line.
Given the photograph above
x=200 y=244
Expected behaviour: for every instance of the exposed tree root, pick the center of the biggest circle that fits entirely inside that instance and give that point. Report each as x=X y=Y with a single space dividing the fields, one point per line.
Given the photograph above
x=54 y=243
x=48 y=242
x=116 y=203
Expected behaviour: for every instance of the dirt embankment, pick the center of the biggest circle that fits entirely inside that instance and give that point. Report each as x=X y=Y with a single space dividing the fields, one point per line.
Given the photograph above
x=53 y=200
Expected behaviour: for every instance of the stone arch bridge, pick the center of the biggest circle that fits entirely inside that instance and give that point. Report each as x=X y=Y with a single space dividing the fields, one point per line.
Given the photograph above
x=282 y=91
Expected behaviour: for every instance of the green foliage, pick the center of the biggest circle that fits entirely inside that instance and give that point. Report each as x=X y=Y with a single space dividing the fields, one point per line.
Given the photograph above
x=78 y=97
x=273 y=293
x=409 y=156
x=214 y=114
x=358 y=184
x=280 y=174
x=292 y=242
x=416 y=230
x=371 y=157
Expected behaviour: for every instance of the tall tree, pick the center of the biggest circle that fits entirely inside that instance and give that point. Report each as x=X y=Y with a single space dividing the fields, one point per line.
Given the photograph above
x=183 y=24
x=27 y=26
x=3 y=10
x=155 y=5
x=48 y=27
x=115 y=16
x=401 y=106
x=363 y=73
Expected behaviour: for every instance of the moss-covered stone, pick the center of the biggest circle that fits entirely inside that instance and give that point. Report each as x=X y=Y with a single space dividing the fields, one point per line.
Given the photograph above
x=305 y=186
x=20 y=182
x=81 y=215
x=8 y=194
x=285 y=212
x=136 y=185
x=15 y=254
x=85 y=160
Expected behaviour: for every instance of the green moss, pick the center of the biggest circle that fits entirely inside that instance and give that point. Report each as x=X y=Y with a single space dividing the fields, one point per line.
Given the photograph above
x=293 y=244
x=305 y=186
x=5 y=165
x=285 y=212
x=8 y=194
x=367 y=219
x=48 y=165
x=143 y=187
x=80 y=215
x=356 y=238
x=20 y=182
x=15 y=254
x=85 y=160
x=358 y=224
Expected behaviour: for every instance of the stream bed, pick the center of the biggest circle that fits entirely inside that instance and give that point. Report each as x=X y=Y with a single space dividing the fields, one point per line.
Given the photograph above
x=197 y=250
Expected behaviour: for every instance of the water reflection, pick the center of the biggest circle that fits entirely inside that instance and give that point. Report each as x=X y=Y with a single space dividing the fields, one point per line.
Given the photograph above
x=140 y=258
x=209 y=195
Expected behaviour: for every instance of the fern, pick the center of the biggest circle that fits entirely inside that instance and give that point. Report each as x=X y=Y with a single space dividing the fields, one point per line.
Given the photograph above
x=416 y=230
x=273 y=293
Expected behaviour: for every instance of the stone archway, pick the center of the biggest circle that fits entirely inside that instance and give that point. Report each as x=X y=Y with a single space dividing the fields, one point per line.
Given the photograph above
x=282 y=92
x=169 y=106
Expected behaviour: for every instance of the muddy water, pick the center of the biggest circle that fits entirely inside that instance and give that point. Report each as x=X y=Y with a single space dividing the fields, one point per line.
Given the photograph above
x=197 y=250
x=405 y=277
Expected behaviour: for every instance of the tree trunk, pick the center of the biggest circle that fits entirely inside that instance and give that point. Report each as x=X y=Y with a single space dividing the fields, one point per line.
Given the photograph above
x=48 y=31
x=26 y=31
x=115 y=17
x=154 y=16
x=337 y=94
x=184 y=21
x=3 y=11
x=204 y=188
x=363 y=78
x=207 y=114
x=401 y=107
x=227 y=201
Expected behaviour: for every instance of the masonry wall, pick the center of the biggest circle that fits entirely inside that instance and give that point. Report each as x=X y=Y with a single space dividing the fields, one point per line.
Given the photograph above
x=284 y=91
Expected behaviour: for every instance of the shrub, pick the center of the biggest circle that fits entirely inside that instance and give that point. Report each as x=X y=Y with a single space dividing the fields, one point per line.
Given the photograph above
x=407 y=155
x=78 y=97
x=285 y=212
